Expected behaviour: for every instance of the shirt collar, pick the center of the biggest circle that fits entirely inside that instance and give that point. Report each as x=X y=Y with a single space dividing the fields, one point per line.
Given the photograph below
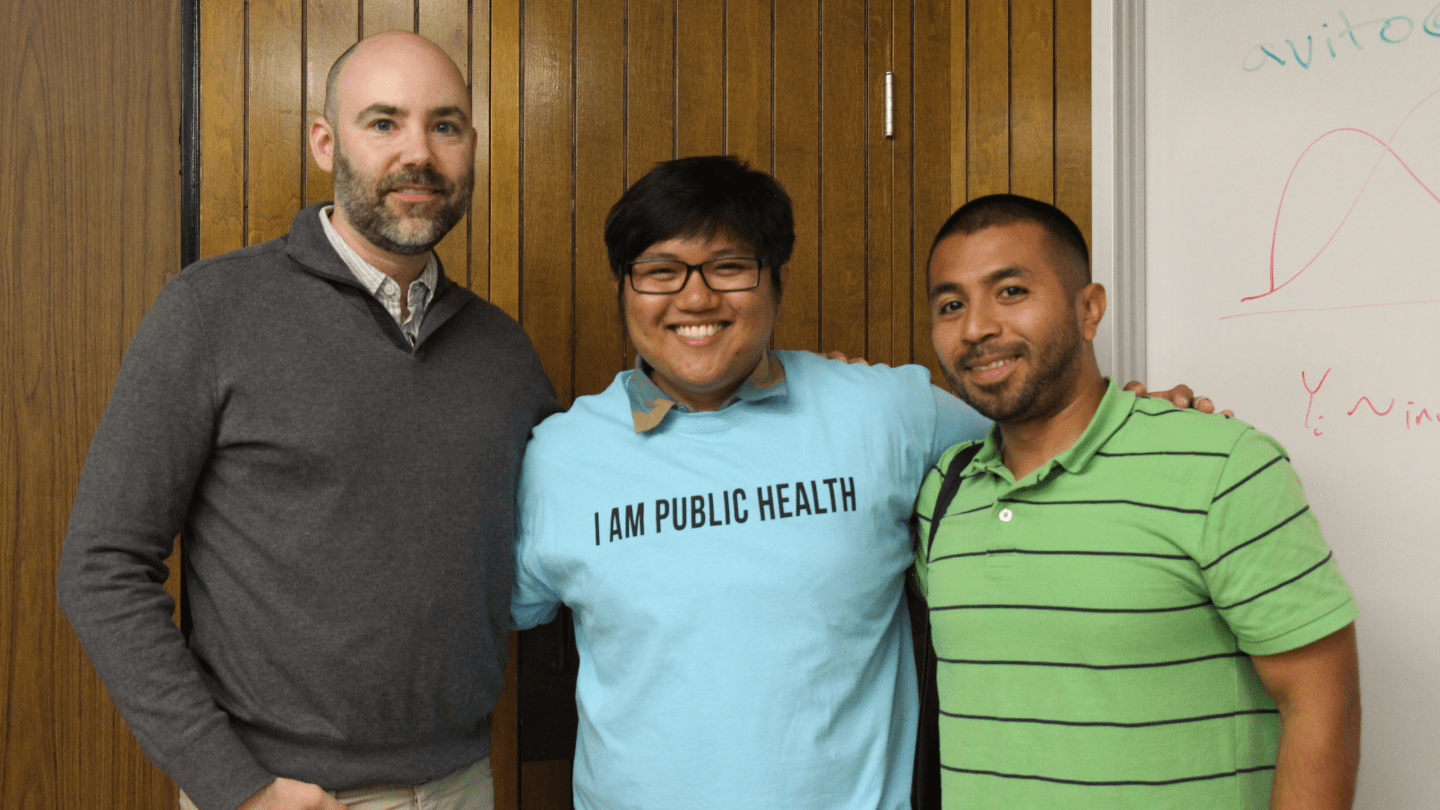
x=649 y=405
x=1114 y=410
x=366 y=273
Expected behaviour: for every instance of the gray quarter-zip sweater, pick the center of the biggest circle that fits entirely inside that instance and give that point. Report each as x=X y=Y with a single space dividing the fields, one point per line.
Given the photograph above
x=346 y=504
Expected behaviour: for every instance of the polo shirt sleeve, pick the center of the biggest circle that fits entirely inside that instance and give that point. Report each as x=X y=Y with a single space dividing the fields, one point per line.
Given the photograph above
x=1262 y=556
x=534 y=600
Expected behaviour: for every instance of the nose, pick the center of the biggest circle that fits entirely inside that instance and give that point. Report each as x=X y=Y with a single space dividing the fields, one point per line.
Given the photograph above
x=415 y=148
x=696 y=295
x=980 y=323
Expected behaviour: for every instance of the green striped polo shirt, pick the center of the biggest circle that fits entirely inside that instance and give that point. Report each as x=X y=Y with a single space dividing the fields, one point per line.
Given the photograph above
x=1092 y=620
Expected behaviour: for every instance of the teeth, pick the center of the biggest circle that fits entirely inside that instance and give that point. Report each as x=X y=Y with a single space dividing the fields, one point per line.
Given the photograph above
x=697 y=330
x=988 y=366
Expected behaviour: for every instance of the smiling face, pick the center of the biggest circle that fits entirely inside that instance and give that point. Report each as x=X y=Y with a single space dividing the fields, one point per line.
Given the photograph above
x=701 y=344
x=1011 y=335
x=401 y=146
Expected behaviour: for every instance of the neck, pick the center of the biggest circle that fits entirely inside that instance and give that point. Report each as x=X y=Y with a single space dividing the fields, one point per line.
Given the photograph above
x=1028 y=443
x=403 y=269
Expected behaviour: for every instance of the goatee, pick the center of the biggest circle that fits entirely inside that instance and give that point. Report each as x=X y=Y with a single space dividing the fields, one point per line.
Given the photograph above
x=363 y=199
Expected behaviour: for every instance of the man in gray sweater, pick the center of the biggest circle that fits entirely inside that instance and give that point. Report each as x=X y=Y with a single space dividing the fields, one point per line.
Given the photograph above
x=334 y=428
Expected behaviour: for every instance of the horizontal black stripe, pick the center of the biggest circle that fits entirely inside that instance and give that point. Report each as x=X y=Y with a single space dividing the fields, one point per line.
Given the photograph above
x=1175 y=663
x=1165 y=453
x=1301 y=575
x=1166 y=412
x=1157 y=783
x=1075 y=553
x=956 y=514
x=1146 y=724
x=1072 y=609
x=1276 y=527
x=1272 y=462
x=1105 y=502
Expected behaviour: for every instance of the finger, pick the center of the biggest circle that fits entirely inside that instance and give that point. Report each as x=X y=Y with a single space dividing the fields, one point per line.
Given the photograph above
x=1228 y=413
x=1204 y=405
x=1136 y=386
x=1181 y=396
x=837 y=356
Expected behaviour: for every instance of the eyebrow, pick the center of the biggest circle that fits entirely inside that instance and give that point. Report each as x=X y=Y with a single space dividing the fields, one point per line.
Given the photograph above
x=381 y=108
x=993 y=277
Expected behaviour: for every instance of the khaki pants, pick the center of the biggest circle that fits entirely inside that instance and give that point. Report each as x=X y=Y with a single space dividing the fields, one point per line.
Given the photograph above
x=470 y=788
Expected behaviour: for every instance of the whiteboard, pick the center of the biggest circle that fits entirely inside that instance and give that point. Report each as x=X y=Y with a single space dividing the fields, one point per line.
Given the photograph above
x=1291 y=270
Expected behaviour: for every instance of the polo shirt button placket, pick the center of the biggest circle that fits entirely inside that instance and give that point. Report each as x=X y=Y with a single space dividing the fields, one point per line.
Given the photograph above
x=1000 y=559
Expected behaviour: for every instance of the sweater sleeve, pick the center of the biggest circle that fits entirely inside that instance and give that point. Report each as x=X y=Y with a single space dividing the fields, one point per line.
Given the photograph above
x=148 y=453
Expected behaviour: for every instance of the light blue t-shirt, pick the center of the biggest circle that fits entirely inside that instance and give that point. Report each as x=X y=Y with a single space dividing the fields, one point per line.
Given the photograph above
x=736 y=578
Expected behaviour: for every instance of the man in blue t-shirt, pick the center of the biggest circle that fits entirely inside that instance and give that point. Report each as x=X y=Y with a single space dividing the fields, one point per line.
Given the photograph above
x=729 y=525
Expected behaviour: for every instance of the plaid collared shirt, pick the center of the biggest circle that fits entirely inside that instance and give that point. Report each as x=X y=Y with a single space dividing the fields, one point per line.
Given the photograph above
x=385 y=289
x=648 y=404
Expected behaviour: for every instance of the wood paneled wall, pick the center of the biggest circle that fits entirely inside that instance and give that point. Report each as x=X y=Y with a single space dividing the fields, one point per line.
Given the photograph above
x=89 y=232
x=574 y=99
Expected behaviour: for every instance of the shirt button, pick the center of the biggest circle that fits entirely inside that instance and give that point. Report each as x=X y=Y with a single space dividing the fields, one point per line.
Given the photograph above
x=1006 y=515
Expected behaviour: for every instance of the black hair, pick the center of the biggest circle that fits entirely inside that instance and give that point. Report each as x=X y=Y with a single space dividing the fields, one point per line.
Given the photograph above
x=1004 y=209
x=702 y=197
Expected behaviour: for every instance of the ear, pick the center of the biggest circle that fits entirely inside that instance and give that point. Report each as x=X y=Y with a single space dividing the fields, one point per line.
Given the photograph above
x=1090 y=309
x=322 y=144
x=784 y=281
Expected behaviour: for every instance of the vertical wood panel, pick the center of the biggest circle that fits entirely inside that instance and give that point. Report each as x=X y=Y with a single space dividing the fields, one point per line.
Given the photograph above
x=505 y=113
x=386 y=15
x=902 y=312
x=937 y=142
x=1072 y=110
x=1032 y=99
x=89 y=231
x=880 y=215
x=747 y=81
x=276 y=118
x=447 y=24
x=843 y=93
x=330 y=28
x=547 y=174
x=222 y=127
x=505 y=731
x=650 y=86
x=959 y=98
x=477 y=275
x=988 y=117
x=797 y=160
x=599 y=338
x=701 y=77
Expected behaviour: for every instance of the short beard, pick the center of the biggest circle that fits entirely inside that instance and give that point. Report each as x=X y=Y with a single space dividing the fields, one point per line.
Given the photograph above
x=362 y=199
x=1043 y=391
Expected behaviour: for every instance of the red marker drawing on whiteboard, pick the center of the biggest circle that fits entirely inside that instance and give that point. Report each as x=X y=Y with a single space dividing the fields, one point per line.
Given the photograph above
x=1311 y=403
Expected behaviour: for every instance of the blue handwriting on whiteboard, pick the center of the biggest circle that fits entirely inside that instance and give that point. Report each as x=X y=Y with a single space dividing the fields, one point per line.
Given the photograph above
x=1353 y=37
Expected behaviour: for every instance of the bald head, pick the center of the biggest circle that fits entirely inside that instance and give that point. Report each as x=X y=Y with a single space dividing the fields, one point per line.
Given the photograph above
x=386 y=48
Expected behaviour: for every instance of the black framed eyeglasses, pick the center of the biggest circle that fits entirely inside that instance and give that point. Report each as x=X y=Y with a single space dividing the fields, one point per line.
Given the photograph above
x=667 y=276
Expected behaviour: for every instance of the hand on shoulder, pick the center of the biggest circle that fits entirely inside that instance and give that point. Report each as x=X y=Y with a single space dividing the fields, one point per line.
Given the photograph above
x=1180 y=396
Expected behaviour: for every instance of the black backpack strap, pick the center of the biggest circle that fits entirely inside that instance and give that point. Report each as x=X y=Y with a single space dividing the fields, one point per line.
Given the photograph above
x=925 y=782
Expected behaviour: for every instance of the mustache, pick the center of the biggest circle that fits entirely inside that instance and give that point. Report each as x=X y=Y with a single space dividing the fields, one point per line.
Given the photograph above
x=989 y=351
x=415 y=176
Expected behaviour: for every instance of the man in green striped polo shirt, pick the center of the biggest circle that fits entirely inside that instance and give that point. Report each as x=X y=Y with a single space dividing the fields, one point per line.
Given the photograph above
x=1131 y=604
